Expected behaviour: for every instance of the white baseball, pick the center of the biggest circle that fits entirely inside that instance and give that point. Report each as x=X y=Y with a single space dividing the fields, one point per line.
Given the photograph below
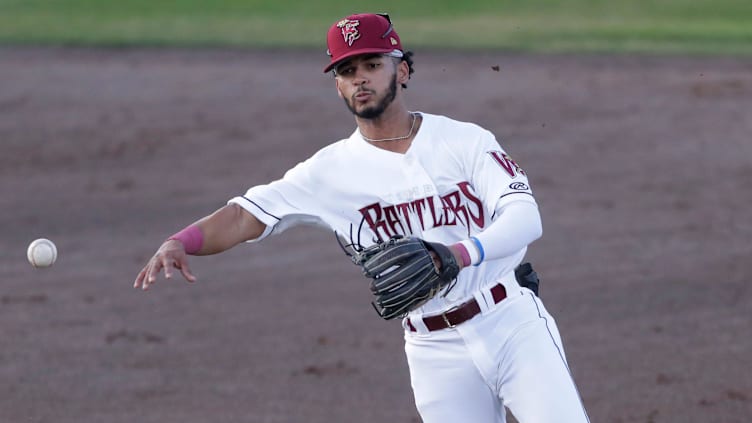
x=42 y=253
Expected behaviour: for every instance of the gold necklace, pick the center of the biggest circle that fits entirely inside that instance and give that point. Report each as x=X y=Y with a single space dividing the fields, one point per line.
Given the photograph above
x=409 y=134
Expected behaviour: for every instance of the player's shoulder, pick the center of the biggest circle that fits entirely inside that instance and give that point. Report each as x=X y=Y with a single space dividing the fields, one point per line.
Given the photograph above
x=445 y=123
x=330 y=153
x=454 y=130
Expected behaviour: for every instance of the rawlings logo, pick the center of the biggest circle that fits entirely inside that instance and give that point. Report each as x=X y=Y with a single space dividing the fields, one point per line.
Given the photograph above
x=349 y=30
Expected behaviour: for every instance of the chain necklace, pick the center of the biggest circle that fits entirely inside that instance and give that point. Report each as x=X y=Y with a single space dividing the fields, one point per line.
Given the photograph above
x=409 y=134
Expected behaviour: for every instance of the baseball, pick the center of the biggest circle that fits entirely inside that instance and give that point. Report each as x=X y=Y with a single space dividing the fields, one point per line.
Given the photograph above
x=42 y=253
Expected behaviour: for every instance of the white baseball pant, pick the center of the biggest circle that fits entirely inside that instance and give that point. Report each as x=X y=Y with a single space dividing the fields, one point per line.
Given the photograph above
x=509 y=355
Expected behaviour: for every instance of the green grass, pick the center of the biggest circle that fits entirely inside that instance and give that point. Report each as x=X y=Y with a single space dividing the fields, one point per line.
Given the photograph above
x=652 y=26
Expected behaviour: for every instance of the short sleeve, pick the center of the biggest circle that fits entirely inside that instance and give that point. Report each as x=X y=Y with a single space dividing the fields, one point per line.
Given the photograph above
x=495 y=175
x=284 y=203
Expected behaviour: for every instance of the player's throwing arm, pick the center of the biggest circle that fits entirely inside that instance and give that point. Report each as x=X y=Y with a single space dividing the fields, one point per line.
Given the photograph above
x=220 y=231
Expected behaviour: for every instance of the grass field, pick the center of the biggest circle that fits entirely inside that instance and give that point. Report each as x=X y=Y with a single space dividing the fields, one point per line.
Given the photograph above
x=653 y=26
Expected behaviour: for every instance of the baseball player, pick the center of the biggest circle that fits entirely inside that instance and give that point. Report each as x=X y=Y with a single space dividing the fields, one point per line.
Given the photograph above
x=485 y=342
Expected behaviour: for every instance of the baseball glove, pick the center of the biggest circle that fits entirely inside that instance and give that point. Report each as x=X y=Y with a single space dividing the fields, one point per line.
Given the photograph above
x=403 y=273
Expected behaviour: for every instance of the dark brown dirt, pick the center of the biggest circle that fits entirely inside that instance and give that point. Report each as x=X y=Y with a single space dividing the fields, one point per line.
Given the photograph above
x=642 y=167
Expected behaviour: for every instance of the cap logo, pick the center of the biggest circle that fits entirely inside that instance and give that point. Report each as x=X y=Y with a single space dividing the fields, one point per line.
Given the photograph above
x=349 y=30
x=393 y=41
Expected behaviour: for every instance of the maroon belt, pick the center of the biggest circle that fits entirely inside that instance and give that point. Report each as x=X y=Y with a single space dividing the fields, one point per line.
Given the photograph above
x=459 y=314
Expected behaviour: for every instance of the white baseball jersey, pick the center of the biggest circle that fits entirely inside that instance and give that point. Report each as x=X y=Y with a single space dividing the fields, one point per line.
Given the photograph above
x=445 y=188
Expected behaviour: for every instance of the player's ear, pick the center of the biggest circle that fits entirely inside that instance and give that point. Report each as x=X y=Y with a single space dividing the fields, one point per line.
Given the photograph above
x=403 y=72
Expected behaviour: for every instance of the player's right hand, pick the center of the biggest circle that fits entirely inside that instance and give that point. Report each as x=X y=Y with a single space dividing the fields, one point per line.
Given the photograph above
x=170 y=255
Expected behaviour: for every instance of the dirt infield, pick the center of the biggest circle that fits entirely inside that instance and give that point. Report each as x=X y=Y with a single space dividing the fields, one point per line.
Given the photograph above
x=642 y=167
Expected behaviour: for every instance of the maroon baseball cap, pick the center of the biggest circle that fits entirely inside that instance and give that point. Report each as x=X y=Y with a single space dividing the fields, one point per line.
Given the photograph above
x=361 y=34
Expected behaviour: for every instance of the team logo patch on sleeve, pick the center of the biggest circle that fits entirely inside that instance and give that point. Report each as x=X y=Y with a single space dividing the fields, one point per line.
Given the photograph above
x=506 y=163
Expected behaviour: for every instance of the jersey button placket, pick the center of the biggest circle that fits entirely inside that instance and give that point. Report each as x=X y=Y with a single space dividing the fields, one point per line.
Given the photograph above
x=417 y=177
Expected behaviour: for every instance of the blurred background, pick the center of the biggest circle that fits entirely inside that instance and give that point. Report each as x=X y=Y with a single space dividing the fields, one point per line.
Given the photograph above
x=679 y=26
x=123 y=121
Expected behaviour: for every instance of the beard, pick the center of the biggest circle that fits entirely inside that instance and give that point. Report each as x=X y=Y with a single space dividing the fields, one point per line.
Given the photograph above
x=375 y=111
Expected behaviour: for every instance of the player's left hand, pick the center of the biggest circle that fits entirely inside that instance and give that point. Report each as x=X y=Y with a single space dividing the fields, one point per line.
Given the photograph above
x=406 y=272
x=170 y=255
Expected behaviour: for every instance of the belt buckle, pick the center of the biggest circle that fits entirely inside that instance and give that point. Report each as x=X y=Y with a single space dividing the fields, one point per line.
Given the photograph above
x=446 y=320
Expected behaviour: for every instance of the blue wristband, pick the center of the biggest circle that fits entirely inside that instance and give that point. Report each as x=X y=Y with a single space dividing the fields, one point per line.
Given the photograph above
x=480 y=250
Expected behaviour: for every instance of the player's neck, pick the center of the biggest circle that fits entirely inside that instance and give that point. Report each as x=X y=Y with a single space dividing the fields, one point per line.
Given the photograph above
x=394 y=130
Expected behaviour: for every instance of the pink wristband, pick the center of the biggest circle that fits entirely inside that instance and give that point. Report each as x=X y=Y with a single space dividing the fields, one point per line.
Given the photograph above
x=463 y=253
x=191 y=237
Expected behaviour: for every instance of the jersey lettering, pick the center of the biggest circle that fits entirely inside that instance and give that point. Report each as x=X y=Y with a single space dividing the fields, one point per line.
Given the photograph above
x=417 y=207
x=393 y=220
x=404 y=209
x=506 y=163
x=459 y=207
x=452 y=204
x=434 y=215
x=477 y=218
